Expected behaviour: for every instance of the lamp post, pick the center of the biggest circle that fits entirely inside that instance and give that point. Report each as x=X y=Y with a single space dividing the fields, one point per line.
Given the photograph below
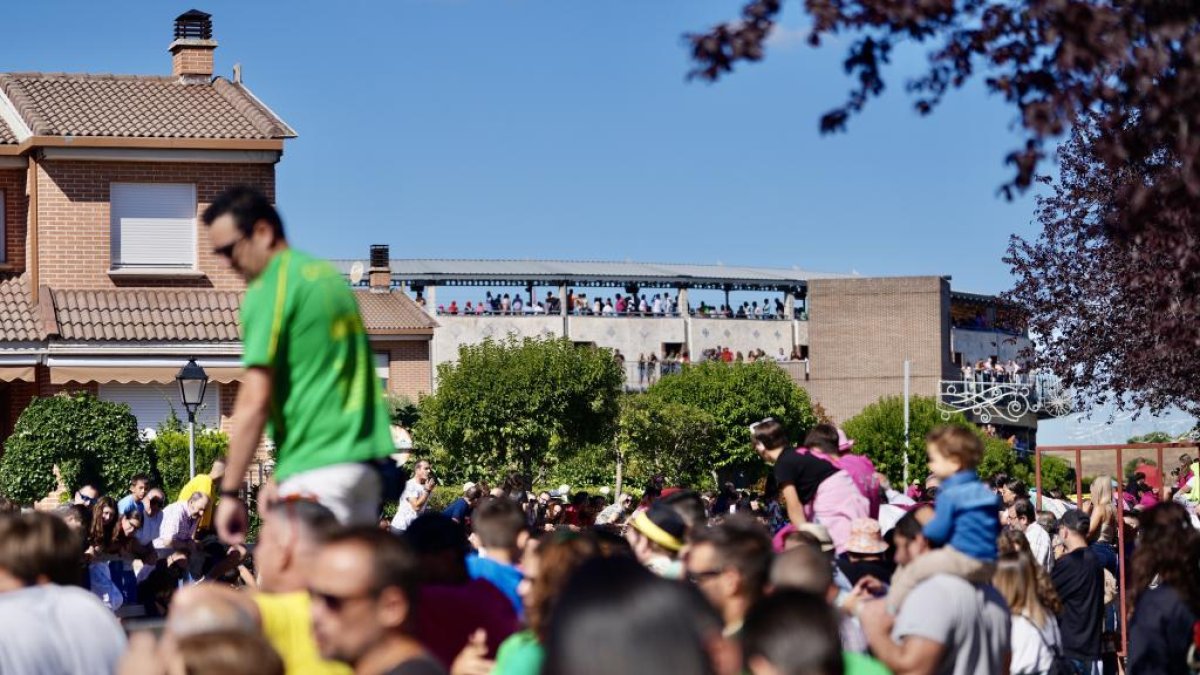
x=192 y=382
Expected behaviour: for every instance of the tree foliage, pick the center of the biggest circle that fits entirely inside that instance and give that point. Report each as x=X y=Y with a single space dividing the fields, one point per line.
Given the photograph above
x=1153 y=437
x=1076 y=277
x=518 y=404
x=1120 y=249
x=170 y=447
x=878 y=433
x=89 y=440
x=737 y=395
x=658 y=436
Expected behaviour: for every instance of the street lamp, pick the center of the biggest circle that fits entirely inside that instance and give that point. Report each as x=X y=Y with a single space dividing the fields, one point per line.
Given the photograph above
x=192 y=382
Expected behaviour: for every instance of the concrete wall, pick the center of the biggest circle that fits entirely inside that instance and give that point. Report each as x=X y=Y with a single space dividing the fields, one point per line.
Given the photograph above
x=862 y=330
x=631 y=335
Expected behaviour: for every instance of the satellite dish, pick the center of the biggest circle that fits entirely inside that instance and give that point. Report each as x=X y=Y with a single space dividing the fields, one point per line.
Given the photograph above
x=356 y=272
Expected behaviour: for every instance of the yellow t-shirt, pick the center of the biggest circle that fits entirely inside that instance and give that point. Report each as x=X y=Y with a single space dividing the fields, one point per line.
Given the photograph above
x=201 y=483
x=287 y=625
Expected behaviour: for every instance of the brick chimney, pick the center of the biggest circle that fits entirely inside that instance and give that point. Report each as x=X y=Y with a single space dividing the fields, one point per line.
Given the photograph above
x=380 y=275
x=192 y=50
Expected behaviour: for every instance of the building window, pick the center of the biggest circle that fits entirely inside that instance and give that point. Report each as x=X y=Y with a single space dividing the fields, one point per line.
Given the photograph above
x=153 y=225
x=152 y=404
x=383 y=362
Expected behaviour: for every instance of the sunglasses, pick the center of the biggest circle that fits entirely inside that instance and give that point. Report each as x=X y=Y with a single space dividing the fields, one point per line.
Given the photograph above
x=336 y=603
x=226 y=251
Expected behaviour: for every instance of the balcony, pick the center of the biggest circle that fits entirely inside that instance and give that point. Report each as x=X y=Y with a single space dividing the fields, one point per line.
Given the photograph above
x=1010 y=399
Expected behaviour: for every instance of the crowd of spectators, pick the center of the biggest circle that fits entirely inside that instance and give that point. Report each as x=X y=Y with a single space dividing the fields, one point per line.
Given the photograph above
x=632 y=304
x=827 y=570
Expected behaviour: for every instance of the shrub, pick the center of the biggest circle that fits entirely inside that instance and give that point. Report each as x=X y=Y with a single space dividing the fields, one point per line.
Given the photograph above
x=170 y=446
x=89 y=440
x=736 y=395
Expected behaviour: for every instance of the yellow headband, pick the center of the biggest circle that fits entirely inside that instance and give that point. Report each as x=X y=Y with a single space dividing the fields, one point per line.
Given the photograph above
x=642 y=523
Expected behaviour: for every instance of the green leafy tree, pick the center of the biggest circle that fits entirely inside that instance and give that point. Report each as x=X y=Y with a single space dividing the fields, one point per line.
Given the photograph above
x=737 y=395
x=1057 y=474
x=89 y=440
x=662 y=437
x=170 y=447
x=404 y=412
x=590 y=465
x=878 y=432
x=519 y=404
x=1153 y=437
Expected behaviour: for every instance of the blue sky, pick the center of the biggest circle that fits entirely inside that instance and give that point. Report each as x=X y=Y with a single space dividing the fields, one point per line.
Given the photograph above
x=566 y=129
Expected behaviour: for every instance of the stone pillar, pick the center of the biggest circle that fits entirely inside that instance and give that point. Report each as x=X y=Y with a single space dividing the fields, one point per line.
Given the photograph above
x=789 y=305
x=563 y=309
x=431 y=300
x=687 y=321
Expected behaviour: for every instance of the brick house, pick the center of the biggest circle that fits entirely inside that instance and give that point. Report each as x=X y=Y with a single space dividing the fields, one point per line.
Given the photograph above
x=107 y=281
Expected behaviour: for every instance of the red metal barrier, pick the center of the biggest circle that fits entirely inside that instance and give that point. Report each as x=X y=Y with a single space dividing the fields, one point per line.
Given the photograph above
x=1118 y=496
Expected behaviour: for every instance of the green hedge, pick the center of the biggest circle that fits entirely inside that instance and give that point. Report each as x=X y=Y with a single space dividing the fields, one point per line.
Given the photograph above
x=89 y=440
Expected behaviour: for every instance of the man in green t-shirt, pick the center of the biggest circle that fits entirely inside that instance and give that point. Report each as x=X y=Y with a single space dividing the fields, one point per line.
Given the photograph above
x=309 y=375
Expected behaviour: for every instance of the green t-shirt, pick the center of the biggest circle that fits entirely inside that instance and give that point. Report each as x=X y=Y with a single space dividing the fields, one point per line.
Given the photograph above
x=861 y=664
x=299 y=318
x=520 y=654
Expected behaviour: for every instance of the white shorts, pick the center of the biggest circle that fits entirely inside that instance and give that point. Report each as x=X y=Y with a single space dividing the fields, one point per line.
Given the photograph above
x=351 y=491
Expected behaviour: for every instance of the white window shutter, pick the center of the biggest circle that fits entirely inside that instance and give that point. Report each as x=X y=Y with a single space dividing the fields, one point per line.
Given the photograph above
x=153 y=225
x=152 y=403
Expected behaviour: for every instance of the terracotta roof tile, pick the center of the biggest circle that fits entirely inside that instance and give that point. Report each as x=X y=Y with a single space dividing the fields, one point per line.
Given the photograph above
x=187 y=315
x=18 y=314
x=392 y=312
x=57 y=104
x=7 y=137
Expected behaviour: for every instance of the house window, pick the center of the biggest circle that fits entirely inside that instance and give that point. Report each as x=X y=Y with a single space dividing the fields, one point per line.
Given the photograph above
x=153 y=225
x=152 y=404
x=383 y=362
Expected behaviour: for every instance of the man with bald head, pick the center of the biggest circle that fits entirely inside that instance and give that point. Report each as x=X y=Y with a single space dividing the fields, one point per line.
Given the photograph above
x=292 y=533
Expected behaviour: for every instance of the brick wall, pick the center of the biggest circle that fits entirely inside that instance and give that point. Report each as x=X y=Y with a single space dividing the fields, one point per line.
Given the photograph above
x=73 y=217
x=192 y=61
x=409 y=370
x=16 y=210
x=862 y=330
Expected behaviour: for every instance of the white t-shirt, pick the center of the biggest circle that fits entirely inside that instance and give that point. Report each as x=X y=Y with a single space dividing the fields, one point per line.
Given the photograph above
x=1032 y=646
x=1039 y=544
x=405 y=513
x=49 y=630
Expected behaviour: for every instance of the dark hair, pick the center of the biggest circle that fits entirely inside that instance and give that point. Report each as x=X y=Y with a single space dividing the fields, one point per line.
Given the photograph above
x=472 y=492
x=803 y=567
x=823 y=437
x=1169 y=549
x=1023 y=508
x=908 y=526
x=743 y=545
x=38 y=545
x=770 y=433
x=101 y=535
x=579 y=498
x=1076 y=521
x=1018 y=488
x=139 y=478
x=436 y=533
x=957 y=443
x=498 y=522
x=393 y=564
x=247 y=205
x=513 y=482
x=614 y=616
x=559 y=554
x=796 y=632
x=688 y=505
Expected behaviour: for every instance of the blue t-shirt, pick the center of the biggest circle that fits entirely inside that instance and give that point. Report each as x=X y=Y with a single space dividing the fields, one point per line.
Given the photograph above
x=129 y=504
x=504 y=577
x=966 y=516
x=459 y=509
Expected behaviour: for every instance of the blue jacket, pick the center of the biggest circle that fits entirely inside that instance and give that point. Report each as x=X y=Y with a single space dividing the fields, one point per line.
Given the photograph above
x=966 y=516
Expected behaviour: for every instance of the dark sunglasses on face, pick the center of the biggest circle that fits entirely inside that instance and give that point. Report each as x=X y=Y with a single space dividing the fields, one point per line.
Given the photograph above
x=226 y=251
x=335 y=603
